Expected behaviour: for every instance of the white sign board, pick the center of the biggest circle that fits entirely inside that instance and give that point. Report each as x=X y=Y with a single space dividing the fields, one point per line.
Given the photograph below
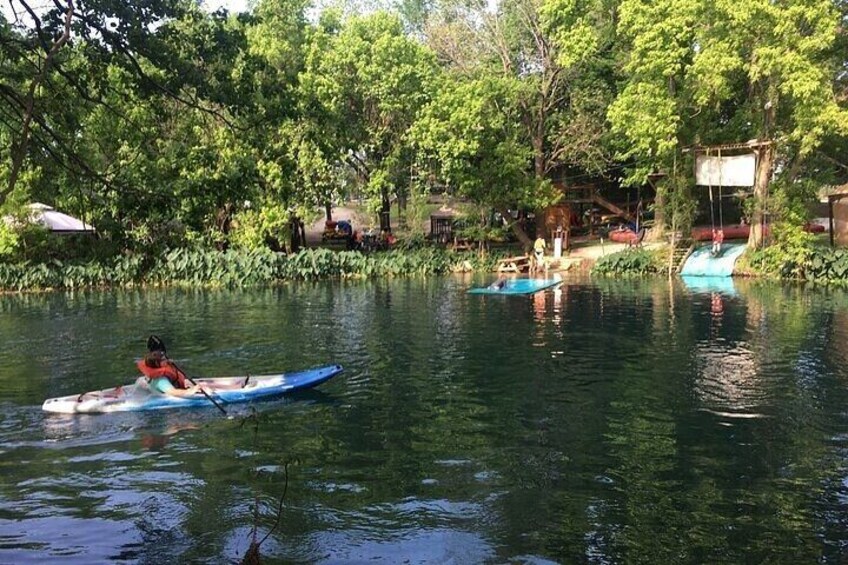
x=736 y=170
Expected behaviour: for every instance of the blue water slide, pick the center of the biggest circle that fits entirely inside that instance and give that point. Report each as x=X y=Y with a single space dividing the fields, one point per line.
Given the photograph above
x=702 y=263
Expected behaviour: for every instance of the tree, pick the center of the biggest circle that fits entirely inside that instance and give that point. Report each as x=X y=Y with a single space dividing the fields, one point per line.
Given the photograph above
x=556 y=53
x=469 y=136
x=169 y=142
x=24 y=103
x=721 y=72
x=542 y=45
x=53 y=55
x=371 y=82
x=316 y=166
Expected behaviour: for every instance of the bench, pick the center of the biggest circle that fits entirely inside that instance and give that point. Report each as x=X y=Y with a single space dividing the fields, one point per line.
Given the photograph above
x=517 y=264
x=462 y=244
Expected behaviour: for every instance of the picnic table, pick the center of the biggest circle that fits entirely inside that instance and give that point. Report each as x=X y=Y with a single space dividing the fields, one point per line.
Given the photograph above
x=517 y=264
x=462 y=244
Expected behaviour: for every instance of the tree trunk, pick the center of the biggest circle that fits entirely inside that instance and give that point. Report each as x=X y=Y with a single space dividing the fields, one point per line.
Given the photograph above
x=658 y=230
x=765 y=161
x=401 y=204
x=539 y=157
x=522 y=236
x=223 y=221
x=761 y=184
x=328 y=211
x=294 y=235
x=385 y=213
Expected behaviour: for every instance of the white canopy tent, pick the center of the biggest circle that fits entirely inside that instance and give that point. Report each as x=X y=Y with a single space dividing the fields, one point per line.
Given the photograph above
x=57 y=222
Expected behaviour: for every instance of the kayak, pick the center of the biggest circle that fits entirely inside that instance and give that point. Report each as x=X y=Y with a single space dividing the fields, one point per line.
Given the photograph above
x=518 y=286
x=139 y=395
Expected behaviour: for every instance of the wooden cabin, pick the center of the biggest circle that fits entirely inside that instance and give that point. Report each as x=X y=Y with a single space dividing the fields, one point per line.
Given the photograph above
x=441 y=225
x=838 y=211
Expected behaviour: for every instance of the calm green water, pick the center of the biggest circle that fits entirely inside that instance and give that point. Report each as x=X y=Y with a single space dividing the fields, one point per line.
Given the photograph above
x=608 y=422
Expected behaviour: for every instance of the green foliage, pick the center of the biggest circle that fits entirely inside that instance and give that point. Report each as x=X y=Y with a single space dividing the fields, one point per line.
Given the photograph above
x=366 y=85
x=705 y=72
x=36 y=243
x=829 y=265
x=410 y=239
x=790 y=210
x=161 y=149
x=646 y=114
x=569 y=24
x=254 y=227
x=236 y=268
x=232 y=268
x=680 y=203
x=630 y=262
x=816 y=264
x=793 y=250
x=480 y=232
x=9 y=240
x=775 y=262
x=470 y=136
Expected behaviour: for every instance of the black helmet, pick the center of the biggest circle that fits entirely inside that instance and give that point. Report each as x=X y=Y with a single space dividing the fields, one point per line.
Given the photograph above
x=155 y=344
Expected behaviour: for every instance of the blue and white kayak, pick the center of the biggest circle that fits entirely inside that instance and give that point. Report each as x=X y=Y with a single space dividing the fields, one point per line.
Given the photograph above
x=226 y=390
x=518 y=286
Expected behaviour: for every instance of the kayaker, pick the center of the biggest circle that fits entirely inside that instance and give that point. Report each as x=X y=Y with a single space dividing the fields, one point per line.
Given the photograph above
x=498 y=284
x=165 y=377
x=162 y=374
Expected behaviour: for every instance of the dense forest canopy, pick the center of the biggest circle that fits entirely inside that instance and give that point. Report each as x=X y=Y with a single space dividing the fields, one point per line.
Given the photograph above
x=167 y=125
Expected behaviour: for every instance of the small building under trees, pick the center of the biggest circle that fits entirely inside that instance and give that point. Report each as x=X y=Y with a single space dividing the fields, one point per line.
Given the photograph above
x=837 y=202
x=441 y=225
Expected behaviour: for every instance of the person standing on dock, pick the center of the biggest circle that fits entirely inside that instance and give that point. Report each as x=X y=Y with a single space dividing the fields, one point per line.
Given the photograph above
x=539 y=254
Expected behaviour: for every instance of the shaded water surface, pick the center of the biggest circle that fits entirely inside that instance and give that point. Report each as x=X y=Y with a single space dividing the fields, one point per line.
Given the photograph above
x=602 y=422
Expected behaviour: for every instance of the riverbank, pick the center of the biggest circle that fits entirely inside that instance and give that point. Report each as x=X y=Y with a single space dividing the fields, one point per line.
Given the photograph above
x=239 y=268
x=263 y=267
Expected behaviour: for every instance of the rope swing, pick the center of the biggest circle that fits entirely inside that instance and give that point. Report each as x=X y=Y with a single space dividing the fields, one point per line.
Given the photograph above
x=718 y=235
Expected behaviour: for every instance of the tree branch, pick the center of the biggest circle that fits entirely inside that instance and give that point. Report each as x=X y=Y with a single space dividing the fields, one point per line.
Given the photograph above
x=19 y=152
x=832 y=161
x=116 y=43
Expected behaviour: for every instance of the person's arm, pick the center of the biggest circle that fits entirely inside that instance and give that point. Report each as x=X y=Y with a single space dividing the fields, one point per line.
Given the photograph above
x=164 y=386
x=183 y=392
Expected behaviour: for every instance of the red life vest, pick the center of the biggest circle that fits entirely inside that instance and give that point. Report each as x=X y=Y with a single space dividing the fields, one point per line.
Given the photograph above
x=167 y=370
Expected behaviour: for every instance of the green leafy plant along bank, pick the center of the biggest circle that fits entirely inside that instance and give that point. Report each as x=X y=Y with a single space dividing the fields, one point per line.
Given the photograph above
x=235 y=268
